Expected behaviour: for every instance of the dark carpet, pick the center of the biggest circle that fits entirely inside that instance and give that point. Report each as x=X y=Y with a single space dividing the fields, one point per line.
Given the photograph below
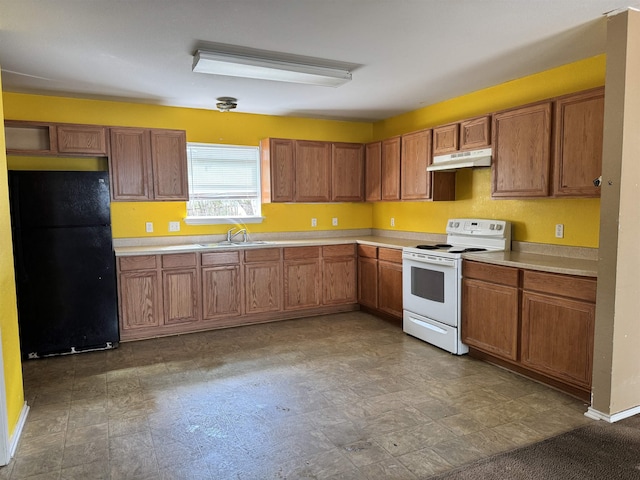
x=596 y=451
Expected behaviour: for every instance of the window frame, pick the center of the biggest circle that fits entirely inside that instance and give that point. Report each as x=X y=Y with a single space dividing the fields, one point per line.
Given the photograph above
x=215 y=220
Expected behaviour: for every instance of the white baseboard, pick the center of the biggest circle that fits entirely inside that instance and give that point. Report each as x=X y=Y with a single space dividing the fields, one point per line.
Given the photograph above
x=17 y=432
x=616 y=417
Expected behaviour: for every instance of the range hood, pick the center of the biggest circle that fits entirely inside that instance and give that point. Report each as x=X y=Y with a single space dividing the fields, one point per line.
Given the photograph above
x=454 y=161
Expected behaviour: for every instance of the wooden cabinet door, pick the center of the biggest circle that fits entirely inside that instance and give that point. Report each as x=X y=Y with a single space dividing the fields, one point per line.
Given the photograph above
x=130 y=164
x=368 y=282
x=445 y=139
x=521 y=152
x=339 y=274
x=347 y=172
x=169 y=158
x=557 y=337
x=278 y=169
x=82 y=139
x=373 y=172
x=339 y=280
x=390 y=288
x=475 y=133
x=181 y=298
x=490 y=317
x=263 y=280
x=313 y=171
x=302 y=278
x=578 y=144
x=140 y=300
x=415 y=181
x=221 y=290
x=390 y=169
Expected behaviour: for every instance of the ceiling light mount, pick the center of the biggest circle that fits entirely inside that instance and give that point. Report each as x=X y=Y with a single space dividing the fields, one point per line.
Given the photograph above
x=268 y=67
x=226 y=104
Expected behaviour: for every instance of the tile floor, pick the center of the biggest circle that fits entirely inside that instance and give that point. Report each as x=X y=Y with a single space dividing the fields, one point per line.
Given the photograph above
x=346 y=396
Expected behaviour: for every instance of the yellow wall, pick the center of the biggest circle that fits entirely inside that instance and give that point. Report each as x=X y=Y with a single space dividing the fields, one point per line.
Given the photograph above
x=534 y=220
x=8 y=307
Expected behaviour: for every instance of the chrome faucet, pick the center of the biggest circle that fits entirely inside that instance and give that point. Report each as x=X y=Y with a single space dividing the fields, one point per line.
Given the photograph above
x=231 y=235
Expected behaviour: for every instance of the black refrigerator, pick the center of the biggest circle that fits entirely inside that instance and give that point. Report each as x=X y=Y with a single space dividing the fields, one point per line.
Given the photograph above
x=64 y=262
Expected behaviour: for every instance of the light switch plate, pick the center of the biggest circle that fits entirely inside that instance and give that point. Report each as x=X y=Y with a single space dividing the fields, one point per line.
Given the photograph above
x=334 y=221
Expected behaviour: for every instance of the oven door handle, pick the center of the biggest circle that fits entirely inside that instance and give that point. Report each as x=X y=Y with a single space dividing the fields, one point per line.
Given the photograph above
x=443 y=262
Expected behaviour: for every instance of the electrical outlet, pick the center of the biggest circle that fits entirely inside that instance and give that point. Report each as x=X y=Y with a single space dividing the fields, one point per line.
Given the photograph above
x=559 y=230
x=174 y=226
x=334 y=221
x=148 y=227
x=314 y=222
x=393 y=222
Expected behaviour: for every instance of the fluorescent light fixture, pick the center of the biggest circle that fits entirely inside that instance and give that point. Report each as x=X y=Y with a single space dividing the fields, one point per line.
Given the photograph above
x=246 y=66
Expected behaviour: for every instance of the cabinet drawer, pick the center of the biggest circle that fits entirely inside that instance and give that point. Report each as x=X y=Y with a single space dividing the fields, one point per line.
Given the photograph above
x=139 y=262
x=490 y=273
x=390 y=255
x=583 y=288
x=301 y=253
x=179 y=260
x=339 y=250
x=261 y=255
x=367 y=251
x=221 y=258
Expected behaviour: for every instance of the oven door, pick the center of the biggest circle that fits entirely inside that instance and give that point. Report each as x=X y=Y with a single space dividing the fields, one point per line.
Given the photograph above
x=431 y=288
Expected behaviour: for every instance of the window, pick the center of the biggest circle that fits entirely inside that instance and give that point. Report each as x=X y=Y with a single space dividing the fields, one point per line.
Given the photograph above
x=224 y=183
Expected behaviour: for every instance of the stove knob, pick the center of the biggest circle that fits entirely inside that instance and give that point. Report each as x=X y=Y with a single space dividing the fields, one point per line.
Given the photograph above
x=498 y=227
x=492 y=226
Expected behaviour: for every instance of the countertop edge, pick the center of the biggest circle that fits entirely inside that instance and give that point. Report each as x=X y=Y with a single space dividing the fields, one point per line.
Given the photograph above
x=532 y=261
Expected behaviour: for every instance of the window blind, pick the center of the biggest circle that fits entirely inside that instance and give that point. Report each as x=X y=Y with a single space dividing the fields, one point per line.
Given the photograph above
x=223 y=171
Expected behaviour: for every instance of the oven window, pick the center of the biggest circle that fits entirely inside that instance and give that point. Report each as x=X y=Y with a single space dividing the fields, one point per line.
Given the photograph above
x=427 y=284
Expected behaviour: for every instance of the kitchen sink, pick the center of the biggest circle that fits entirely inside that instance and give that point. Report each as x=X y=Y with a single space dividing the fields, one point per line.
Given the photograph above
x=225 y=243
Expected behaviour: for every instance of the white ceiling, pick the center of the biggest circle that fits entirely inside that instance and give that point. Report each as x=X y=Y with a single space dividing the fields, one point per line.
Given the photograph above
x=408 y=53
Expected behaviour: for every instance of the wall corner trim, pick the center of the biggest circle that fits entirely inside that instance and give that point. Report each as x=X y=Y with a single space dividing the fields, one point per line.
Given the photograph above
x=17 y=432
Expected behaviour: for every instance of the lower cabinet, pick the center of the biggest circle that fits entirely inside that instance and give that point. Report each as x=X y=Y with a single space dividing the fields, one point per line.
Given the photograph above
x=380 y=280
x=139 y=293
x=262 y=280
x=180 y=286
x=302 y=278
x=537 y=323
x=185 y=292
x=339 y=274
x=221 y=285
x=490 y=308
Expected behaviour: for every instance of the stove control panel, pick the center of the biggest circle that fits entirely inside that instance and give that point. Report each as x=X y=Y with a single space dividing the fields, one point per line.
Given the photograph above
x=481 y=227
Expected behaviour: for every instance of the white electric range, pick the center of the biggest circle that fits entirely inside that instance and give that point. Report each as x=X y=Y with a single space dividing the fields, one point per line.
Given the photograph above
x=432 y=279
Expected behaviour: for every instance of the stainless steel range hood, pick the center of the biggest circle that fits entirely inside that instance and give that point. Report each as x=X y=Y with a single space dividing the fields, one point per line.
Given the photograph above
x=454 y=161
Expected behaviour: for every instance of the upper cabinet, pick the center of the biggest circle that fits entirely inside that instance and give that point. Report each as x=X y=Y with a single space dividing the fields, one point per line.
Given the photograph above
x=278 y=169
x=579 y=124
x=445 y=139
x=537 y=154
x=415 y=181
x=465 y=135
x=522 y=152
x=390 y=169
x=311 y=171
x=36 y=138
x=347 y=172
x=475 y=133
x=148 y=164
x=373 y=172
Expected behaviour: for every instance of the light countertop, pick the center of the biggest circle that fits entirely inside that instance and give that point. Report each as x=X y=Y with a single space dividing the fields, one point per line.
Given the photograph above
x=554 y=263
